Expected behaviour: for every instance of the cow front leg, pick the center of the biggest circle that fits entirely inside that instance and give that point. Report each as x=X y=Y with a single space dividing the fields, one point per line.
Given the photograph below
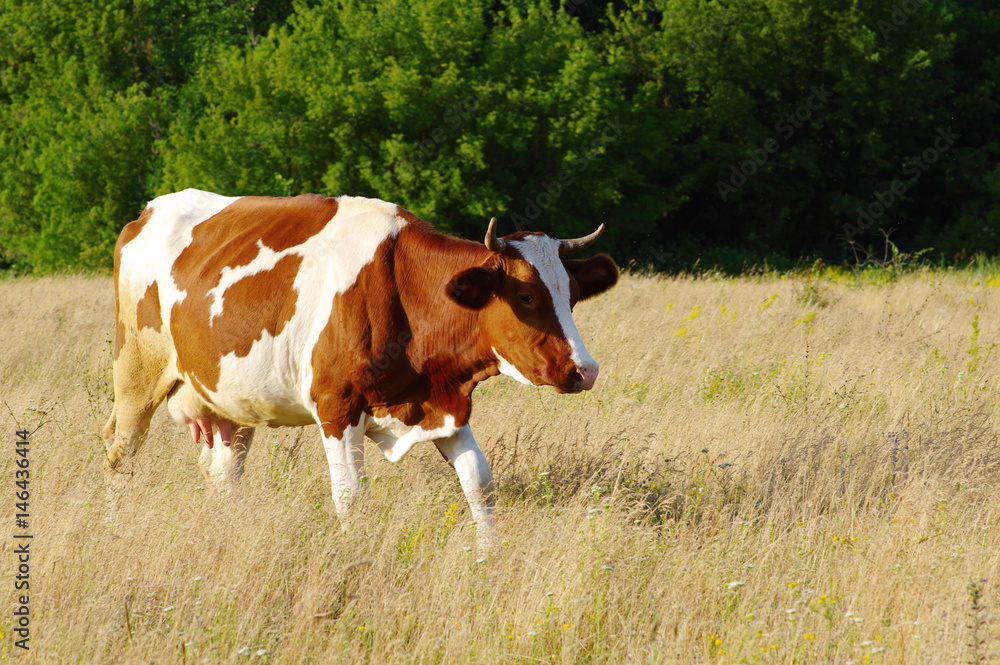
x=345 y=455
x=474 y=474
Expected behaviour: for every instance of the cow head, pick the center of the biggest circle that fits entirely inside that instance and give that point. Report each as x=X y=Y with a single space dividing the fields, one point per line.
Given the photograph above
x=525 y=293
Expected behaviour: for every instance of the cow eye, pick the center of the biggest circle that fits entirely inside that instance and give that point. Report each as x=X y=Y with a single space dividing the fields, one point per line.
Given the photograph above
x=525 y=298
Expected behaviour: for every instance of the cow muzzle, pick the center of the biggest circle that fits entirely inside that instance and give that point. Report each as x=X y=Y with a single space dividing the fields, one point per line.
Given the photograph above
x=588 y=376
x=580 y=378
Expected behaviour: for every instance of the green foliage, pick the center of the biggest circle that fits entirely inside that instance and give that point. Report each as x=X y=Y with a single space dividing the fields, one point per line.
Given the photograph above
x=85 y=91
x=453 y=111
x=703 y=133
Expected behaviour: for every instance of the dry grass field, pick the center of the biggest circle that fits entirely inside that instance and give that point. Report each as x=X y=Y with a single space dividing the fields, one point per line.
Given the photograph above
x=769 y=470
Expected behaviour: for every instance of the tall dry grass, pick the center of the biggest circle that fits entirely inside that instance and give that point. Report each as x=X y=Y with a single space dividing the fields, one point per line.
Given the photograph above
x=768 y=471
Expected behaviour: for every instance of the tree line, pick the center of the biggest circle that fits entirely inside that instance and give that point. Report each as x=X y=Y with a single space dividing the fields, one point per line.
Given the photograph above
x=702 y=132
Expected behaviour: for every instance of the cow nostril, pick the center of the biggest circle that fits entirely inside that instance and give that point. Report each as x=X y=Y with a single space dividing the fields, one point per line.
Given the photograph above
x=588 y=376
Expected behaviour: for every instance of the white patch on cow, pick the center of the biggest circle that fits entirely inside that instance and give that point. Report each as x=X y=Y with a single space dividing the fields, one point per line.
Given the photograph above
x=151 y=255
x=259 y=390
x=185 y=405
x=265 y=260
x=395 y=438
x=271 y=385
x=542 y=252
x=507 y=369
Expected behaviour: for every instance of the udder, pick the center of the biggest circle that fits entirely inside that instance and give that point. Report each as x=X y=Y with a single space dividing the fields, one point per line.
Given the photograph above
x=186 y=406
x=202 y=427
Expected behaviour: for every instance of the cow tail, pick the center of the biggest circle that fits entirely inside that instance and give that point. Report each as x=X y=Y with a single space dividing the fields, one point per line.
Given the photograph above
x=109 y=428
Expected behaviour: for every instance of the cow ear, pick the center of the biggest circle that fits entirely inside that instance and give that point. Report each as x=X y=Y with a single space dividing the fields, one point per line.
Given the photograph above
x=472 y=288
x=594 y=275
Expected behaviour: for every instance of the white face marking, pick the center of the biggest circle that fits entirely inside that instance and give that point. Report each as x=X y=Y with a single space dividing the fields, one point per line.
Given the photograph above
x=507 y=369
x=542 y=252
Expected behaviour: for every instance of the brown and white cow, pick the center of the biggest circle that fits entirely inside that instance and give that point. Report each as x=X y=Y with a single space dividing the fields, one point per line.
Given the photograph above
x=345 y=312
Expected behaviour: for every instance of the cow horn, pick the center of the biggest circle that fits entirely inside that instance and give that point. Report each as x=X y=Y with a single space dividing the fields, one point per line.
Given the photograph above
x=492 y=243
x=576 y=244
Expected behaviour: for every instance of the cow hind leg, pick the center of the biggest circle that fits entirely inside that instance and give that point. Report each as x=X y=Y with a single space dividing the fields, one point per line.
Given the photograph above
x=128 y=427
x=222 y=463
x=132 y=415
x=142 y=381
x=476 y=479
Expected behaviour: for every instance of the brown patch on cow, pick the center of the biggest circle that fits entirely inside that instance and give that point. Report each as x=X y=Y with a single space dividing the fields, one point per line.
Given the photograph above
x=147 y=312
x=131 y=230
x=257 y=303
x=409 y=216
x=230 y=238
x=395 y=344
x=264 y=297
x=364 y=323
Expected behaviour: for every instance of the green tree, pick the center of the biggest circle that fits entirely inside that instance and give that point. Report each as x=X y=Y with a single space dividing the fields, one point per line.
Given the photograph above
x=708 y=130
x=454 y=110
x=842 y=105
x=86 y=89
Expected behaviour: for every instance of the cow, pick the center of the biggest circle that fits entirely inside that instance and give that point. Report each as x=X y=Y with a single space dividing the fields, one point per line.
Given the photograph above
x=349 y=313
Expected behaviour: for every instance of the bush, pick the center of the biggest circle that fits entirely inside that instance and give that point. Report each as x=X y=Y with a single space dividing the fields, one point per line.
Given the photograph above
x=765 y=128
